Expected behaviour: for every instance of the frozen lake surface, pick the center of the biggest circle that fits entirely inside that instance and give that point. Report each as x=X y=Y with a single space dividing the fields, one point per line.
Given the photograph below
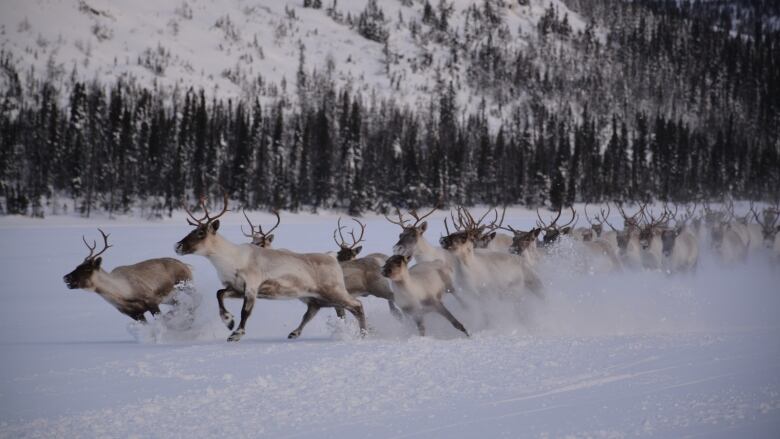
x=624 y=355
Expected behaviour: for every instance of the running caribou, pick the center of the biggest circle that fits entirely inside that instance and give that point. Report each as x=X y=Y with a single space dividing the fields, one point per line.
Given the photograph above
x=419 y=290
x=132 y=289
x=313 y=278
x=362 y=276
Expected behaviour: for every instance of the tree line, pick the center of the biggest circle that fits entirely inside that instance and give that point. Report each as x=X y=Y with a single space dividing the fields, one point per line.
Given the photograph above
x=672 y=107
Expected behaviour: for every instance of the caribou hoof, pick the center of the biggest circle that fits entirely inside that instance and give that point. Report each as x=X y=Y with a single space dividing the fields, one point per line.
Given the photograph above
x=294 y=334
x=228 y=320
x=236 y=336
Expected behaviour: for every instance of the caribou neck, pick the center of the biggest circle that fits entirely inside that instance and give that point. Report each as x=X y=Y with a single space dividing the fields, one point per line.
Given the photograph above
x=227 y=256
x=112 y=288
x=404 y=279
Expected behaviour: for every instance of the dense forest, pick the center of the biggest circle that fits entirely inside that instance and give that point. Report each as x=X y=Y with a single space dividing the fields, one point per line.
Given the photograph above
x=679 y=101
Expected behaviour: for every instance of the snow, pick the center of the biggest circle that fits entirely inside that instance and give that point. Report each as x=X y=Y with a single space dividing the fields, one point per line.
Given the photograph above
x=228 y=47
x=620 y=355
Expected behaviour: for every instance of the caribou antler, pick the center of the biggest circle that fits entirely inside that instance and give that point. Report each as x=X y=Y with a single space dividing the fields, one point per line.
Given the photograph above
x=401 y=221
x=603 y=215
x=91 y=248
x=417 y=218
x=610 y=225
x=471 y=223
x=355 y=241
x=207 y=219
x=656 y=222
x=496 y=224
x=574 y=218
x=259 y=232
x=544 y=225
x=762 y=223
x=587 y=217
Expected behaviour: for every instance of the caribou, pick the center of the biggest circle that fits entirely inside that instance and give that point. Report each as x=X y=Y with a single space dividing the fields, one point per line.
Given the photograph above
x=680 y=249
x=596 y=228
x=362 y=276
x=727 y=243
x=419 y=289
x=524 y=244
x=627 y=240
x=768 y=228
x=596 y=255
x=552 y=231
x=738 y=225
x=490 y=239
x=134 y=289
x=260 y=239
x=257 y=235
x=313 y=278
x=493 y=271
x=651 y=248
x=411 y=242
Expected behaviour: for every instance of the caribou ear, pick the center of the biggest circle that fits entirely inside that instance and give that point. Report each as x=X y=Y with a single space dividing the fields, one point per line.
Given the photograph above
x=491 y=235
x=566 y=230
x=214 y=226
x=424 y=226
x=405 y=259
x=357 y=249
x=270 y=238
x=536 y=232
x=96 y=263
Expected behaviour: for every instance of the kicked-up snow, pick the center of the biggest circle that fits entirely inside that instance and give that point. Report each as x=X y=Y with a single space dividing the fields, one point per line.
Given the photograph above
x=631 y=354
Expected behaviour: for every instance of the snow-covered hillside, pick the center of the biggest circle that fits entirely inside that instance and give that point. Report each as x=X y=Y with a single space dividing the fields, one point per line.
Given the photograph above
x=245 y=49
x=624 y=355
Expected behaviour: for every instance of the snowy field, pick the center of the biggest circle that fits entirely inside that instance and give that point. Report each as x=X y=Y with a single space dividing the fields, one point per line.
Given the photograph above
x=623 y=355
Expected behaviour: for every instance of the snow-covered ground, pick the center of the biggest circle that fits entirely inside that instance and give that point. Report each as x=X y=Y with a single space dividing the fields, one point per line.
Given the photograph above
x=242 y=49
x=632 y=354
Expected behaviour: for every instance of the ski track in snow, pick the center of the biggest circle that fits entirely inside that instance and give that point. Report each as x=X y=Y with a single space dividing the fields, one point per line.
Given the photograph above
x=602 y=358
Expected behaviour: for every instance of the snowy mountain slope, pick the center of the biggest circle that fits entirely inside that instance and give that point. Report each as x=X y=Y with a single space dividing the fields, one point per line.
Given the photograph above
x=234 y=48
x=629 y=355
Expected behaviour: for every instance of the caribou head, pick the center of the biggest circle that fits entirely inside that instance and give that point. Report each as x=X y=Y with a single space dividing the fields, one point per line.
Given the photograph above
x=259 y=237
x=468 y=231
x=650 y=228
x=81 y=277
x=712 y=217
x=668 y=238
x=553 y=231
x=411 y=232
x=522 y=240
x=623 y=237
x=199 y=241
x=597 y=224
x=348 y=252
x=489 y=233
x=395 y=266
x=631 y=222
x=769 y=227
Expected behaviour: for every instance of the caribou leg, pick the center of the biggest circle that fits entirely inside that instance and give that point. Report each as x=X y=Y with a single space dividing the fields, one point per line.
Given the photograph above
x=224 y=314
x=246 y=311
x=418 y=320
x=154 y=309
x=441 y=309
x=356 y=308
x=312 y=307
x=394 y=310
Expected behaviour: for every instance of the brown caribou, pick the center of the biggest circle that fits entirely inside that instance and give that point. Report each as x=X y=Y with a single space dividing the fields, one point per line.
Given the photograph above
x=131 y=289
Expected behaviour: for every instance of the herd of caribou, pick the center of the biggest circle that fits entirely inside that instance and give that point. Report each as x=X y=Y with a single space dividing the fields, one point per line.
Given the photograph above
x=472 y=259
